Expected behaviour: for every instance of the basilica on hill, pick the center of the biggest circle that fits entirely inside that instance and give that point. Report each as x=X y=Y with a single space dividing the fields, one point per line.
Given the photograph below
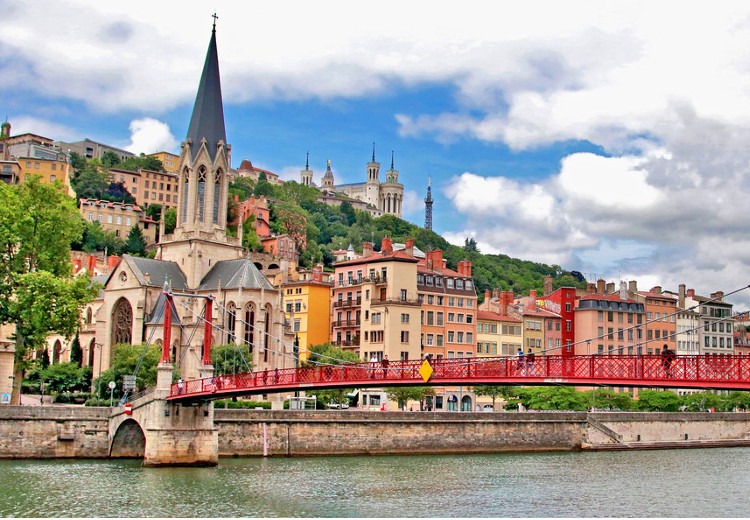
x=197 y=260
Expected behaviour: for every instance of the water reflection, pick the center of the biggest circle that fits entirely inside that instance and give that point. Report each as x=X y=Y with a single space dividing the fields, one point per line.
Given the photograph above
x=682 y=483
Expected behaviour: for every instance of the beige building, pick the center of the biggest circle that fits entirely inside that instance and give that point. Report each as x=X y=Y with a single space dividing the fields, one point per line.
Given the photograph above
x=170 y=161
x=149 y=187
x=118 y=217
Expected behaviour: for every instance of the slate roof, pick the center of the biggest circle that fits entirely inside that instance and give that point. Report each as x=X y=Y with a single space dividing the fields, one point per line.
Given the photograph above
x=159 y=271
x=157 y=315
x=235 y=274
x=208 y=112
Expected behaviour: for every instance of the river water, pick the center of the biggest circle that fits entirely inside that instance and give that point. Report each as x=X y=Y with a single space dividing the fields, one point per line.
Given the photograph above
x=693 y=483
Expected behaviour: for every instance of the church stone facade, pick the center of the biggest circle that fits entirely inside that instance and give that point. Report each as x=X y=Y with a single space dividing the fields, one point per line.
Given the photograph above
x=197 y=261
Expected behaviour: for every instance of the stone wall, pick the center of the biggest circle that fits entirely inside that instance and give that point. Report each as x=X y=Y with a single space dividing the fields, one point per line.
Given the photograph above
x=62 y=431
x=38 y=432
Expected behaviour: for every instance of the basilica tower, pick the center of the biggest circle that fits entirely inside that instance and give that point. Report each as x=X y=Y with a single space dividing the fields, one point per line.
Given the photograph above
x=199 y=239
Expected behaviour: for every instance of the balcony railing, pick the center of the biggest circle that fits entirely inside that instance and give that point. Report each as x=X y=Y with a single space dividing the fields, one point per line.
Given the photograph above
x=346 y=323
x=349 y=302
x=347 y=343
x=395 y=301
x=359 y=281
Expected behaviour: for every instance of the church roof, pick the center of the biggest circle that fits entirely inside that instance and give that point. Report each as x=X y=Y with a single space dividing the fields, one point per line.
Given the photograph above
x=208 y=112
x=157 y=316
x=235 y=274
x=157 y=272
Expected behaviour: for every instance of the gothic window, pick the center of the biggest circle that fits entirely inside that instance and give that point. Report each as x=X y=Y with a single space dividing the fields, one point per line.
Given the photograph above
x=217 y=195
x=122 y=322
x=89 y=316
x=231 y=322
x=250 y=327
x=267 y=330
x=201 y=191
x=92 y=347
x=186 y=178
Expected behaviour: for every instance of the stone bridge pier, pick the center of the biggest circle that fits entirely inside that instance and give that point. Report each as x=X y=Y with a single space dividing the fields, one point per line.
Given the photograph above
x=165 y=434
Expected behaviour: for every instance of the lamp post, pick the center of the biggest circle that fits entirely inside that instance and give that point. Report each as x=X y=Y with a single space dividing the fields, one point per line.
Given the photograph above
x=296 y=360
x=99 y=374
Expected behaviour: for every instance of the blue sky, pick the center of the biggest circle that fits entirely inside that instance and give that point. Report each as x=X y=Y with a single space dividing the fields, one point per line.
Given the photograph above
x=606 y=137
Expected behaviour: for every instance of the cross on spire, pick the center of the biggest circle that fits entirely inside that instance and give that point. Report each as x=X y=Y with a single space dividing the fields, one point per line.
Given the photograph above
x=215 y=18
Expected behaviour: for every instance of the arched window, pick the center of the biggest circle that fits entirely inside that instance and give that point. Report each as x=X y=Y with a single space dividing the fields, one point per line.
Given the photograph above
x=201 y=191
x=217 y=195
x=267 y=330
x=122 y=322
x=184 y=194
x=250 y=327
x=56 y=352
x=231 y=322
x=92 y=349
x=89 y=316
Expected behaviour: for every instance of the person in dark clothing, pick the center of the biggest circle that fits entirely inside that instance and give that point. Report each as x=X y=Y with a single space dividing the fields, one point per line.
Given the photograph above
x=667 y=358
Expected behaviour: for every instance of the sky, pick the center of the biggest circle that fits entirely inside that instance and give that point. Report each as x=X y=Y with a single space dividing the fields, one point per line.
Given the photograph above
x=609 y=138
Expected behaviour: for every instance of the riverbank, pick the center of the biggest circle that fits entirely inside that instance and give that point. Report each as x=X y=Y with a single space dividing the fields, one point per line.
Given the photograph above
x=84 y=432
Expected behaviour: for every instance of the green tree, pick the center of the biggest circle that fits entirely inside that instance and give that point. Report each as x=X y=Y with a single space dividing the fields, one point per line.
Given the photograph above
x=66 y=377
x=606 y=398
x=38 y=223
x=493 y=391
x=133 y=164
x=95 y=238
x=552 y=398
x=327 y=354
x=739 y=400
x=136 y=243
x=153 y=211
x=403 y=394
x=117 y=192
x=231 y=359
x=110 y=159
x=658 y=401
x=170 y=221
x=125 y=359
x=701 y=401
x=90 y=182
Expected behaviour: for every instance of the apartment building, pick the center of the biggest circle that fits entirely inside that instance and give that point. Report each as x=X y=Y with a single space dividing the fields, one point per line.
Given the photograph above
x=149 y=187
x=92 y=149
x=118 y=217
x=448 y=303
x=610 y=324
x=307 y=307
x=716 y=330
x=170 y=161
x=561 y=302
x=375 y=307
x=661 y=318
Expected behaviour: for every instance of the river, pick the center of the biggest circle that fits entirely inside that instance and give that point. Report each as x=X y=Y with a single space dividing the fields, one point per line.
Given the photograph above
x=665 y=483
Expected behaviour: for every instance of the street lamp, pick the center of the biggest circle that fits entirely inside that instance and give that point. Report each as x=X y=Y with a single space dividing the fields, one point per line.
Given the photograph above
x=100 y=346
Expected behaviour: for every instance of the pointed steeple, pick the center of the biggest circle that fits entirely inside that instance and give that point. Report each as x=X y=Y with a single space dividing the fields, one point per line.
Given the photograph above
x=428 y=206
x=207 y=121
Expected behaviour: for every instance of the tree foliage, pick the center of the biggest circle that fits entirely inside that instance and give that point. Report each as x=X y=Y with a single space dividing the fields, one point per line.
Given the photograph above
x=231 y=359
x=66 y=377
x=136 y=242
x=125 y=359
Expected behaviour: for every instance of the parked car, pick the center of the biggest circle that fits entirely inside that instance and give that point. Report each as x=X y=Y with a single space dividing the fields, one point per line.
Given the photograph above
x=342 y=406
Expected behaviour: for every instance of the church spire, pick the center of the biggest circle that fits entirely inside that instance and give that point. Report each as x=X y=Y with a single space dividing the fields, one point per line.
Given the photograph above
x=207 y=121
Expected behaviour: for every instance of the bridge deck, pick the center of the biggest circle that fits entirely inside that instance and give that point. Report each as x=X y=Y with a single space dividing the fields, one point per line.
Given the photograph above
x=709 y=372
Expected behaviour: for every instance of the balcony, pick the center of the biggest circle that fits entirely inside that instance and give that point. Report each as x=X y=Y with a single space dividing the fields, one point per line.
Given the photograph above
x=413 y=302
x=349 y=302
x=354 y=342
x=359 y=281
x=345 y=323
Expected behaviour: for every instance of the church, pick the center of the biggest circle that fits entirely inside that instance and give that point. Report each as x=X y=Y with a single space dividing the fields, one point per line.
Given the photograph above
x=378 y=198
x=196 y=261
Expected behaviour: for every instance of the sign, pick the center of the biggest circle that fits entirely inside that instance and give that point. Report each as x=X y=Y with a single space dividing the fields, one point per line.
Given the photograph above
x=128 y=382
x=5 y=399
x=111 y=385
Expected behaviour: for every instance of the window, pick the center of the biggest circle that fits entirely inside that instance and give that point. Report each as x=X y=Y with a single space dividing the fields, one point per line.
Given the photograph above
x=430 y=318
x=439 y=340
x=451 y=336
x=375 y=318
x=430 y=338
x=404 y=336
x=404 y=318
x=439 y=320
x=109 y=219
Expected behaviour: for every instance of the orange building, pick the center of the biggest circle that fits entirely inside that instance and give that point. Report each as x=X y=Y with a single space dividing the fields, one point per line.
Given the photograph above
x=170 y=161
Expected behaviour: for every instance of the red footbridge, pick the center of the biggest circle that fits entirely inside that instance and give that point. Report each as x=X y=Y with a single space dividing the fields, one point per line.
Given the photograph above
x=698 y=372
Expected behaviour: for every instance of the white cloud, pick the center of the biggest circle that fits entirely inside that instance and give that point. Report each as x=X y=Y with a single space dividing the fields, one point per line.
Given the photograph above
x=148 y=136
x=22 y=124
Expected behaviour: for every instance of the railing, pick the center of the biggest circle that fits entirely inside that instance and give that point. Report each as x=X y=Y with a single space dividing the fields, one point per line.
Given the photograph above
x=345 y=323
x=347 y=343
x=395 y=301
x=719 y=372
x=349 y=302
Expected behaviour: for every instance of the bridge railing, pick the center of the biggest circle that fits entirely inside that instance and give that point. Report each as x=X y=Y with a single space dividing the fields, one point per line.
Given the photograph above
x=601 y=369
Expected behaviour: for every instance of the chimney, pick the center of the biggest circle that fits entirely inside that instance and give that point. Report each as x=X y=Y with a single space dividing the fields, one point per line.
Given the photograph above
x=531 y=302
x=610 y=287
x=547 y=285
x=112 y=262
x=91 y=264
x=487 y=295
x=591 y=288
x=600 y=286
x=681 y=296
x=656 y=289
x=76 y=265
x=409 y=247
x=495 y=293
x=718 y=295
x=386 y=246
x=317 y=273
x=467 y=268
x=506 y=298
x=366 y=249
x=435 y=260
x=623 y=290
x=633 y=287
x=691 y=293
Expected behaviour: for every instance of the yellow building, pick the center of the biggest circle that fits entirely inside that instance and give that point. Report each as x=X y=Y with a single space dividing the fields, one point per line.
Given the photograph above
x=307 y=307
x=49 y=170
x=169 y=160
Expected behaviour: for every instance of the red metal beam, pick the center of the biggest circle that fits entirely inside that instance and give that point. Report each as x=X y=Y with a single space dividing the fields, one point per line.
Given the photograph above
x=715 y=372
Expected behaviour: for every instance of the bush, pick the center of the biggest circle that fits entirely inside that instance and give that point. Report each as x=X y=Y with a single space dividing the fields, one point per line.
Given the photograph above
x=241 y=404
x=96 y=401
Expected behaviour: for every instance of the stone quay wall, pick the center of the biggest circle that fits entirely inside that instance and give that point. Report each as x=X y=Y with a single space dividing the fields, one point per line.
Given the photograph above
x=81 y=432
x=49 y=432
